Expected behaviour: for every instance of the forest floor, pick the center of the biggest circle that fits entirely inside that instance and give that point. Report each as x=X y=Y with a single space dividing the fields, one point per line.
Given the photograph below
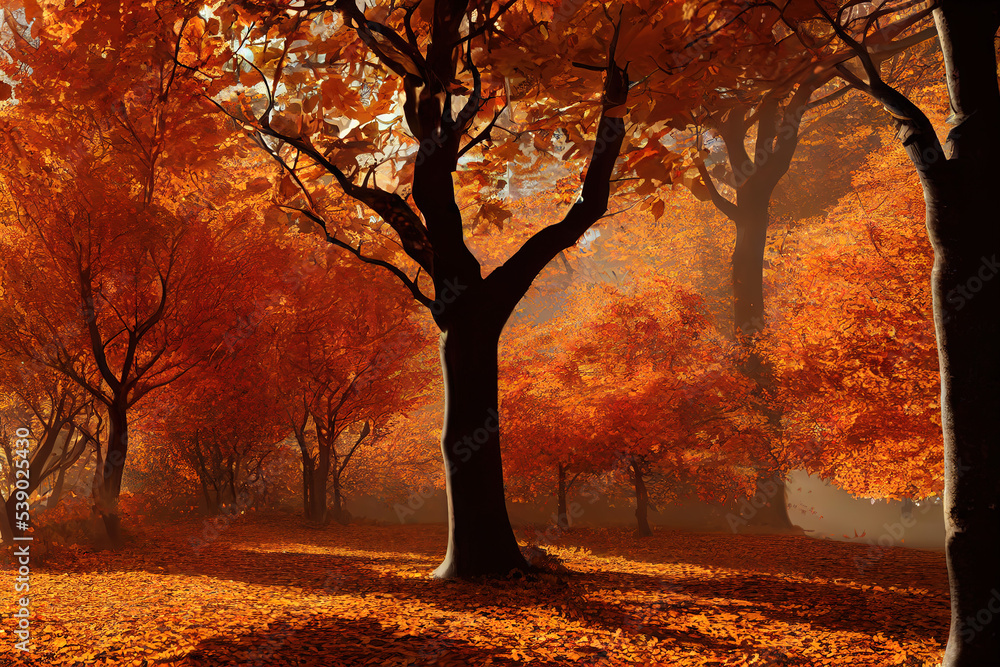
x=269 y=591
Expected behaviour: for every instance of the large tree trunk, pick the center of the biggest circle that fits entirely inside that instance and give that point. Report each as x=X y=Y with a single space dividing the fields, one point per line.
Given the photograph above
x=961 y=219
x=480 y=538
x=768 y=507
x=970 y=411
x=960 y=193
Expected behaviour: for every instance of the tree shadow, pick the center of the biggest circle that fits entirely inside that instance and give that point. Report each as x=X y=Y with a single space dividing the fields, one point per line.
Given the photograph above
x=772 y=554
x=833 y=606
x=625 y=603
x=338 y=641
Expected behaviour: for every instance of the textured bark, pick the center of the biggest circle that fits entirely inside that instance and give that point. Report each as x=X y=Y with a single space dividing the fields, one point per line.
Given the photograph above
x=480 y=538
x=470 y=310
x=960 y=187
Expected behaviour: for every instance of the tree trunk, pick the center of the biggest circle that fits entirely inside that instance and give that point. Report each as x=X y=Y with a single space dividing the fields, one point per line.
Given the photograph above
x=306 y=486
x=317 y=497
x=748 y=317
x=480 y=538
x=338 y=505
x=114 y=468
x=210 y=506
x=9 y=520
x=58 y=487
x=751 y=223
x=641 y=501
x=6 y=528
x=960 y=194
x=970 y=413
x=561 y=515
x=770 y=505
x=308 y=468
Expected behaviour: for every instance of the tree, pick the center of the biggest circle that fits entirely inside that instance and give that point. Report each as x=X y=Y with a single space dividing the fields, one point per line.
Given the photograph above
x=224 y=422
x=542 y=453
x=755 y=101
x=854 y=346
x=140 y=285
x=435 y=61
x=350 y=360
x=654 y=389
x=42 y=412
x=959 y=183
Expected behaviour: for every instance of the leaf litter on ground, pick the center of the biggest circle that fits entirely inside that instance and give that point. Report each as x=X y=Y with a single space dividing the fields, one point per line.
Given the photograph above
x=270 y=591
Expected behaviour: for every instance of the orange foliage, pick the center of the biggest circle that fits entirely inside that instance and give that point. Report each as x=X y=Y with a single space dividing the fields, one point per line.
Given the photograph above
x=854 y=341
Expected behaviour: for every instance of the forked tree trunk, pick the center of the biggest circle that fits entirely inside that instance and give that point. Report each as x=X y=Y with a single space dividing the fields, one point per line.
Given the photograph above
x=470 y=310
x=480 y=538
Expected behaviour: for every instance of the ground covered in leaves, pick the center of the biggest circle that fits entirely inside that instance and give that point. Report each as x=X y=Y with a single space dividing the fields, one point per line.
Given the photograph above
x=270 y=591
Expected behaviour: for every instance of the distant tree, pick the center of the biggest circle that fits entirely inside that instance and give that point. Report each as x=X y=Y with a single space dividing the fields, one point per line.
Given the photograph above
x=118 y=275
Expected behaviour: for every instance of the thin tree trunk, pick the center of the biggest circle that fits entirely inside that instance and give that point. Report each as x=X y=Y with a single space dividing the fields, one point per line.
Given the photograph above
x=338 y=504
x=308 y=472
x=641 y=500
x=561 y=515
x=57 y=488
x=307 y=475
